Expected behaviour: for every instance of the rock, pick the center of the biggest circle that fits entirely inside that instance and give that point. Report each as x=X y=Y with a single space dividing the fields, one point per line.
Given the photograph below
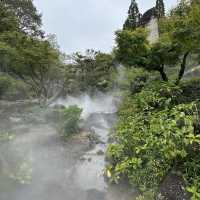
x=173 y=188
x=100 y=152
x=59 y=107
x=82 y=158
x=94 y=139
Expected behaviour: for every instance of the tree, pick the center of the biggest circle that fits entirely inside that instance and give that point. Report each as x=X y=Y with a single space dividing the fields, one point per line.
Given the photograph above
x=134 y=50
x=160 y=9
x=33 y=60
x=24 y=53
x=27 y=14
x=89 y=71
x=161 y=54
x=182 y=26
x=133 y=16
x=179 y=39
x=132 y=47
x=8 y=21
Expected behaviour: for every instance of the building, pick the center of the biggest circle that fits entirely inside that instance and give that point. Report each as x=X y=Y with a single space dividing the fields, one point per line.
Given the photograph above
x=150 y=20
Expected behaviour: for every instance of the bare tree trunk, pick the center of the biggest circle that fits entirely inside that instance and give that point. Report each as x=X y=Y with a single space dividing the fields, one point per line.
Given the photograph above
x=163 y=74
x=183 y=66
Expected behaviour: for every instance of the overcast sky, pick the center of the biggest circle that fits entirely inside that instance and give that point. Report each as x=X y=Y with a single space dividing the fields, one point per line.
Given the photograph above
x=86 y=24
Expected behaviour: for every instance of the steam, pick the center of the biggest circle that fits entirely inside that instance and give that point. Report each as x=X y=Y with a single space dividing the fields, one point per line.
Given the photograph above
x=53 y=169
x=100 y=103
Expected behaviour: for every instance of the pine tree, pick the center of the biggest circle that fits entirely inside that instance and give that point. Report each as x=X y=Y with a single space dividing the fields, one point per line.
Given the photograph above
x=133 y=19
x=160 y=8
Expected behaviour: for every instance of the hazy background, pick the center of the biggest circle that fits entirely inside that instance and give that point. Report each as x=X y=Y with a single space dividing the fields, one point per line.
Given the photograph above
x=85 y=24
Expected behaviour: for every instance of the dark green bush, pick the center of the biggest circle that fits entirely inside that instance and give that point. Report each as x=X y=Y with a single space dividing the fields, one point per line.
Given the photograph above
x=71 y=119
x=12 y=89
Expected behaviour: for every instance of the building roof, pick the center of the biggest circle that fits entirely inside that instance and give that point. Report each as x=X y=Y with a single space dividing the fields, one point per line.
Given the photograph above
x=146 y=17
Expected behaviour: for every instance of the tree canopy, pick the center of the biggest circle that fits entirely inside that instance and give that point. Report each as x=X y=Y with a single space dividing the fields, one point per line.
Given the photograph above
x=25 y=53
x=179 y=39
x=133 y=18
x=29 y=19
x=160 y=8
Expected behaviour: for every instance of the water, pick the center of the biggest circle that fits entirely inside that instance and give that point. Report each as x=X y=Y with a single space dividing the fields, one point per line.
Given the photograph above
x=36 y=164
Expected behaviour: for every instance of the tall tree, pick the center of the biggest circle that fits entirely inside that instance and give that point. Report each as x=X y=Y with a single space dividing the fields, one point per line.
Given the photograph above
x=134 y=50
x=89 y=72
x=133 y=19
x=27 y=14
x=8 y=21
x=160 y=8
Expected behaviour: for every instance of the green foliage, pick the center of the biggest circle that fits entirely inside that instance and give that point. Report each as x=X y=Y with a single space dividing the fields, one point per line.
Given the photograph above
x=6 y=136
x=8 y=21
x=179 y=39
x=5 y=84
x=191 y=171
x=182 y=27
x=132 y=47
x=28 y=17
x=24 y=53
x=71 y=118
x=12 y=89
x=89 y=72
x=23 y=173
x=154 y=133
x=149 y=195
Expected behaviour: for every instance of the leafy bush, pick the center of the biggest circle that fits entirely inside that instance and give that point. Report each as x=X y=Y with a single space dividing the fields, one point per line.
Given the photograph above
x=191 y=171
x=89 y=72
x=146 y=196
x=6 y=136
x=71 y=119
x=154 y=134
x=11 y=88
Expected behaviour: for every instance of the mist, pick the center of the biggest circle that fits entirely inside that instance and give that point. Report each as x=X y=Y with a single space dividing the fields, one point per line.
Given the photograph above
x=38 y=164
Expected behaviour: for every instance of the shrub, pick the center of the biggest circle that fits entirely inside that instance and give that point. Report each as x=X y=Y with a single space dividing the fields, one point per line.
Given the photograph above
x=191 y=171
x=71 y=119
x=12 y=89
x=6 y=136
x=154 y=134
x=149 y=195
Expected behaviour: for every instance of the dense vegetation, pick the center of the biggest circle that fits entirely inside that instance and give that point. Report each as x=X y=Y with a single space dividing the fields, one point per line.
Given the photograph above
x=89 y=72
x=32 y=59
x=158 y=129
x=70 y=120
